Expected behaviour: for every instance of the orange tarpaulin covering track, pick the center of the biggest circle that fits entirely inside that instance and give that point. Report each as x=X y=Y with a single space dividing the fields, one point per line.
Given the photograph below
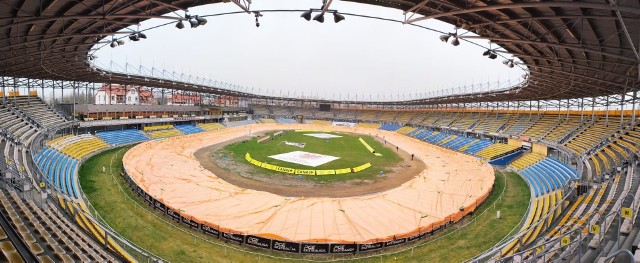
x=168 y=171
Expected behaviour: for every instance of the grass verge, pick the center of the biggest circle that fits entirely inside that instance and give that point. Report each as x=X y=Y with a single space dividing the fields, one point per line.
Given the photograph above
x=129 y=216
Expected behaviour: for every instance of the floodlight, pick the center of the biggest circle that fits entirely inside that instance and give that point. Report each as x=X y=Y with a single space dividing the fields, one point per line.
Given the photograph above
x=337 y=17
x=455 y=42
x=201 y=21
x=319 y=18
x=179 y=25
x=306 y=15
x=445 y=38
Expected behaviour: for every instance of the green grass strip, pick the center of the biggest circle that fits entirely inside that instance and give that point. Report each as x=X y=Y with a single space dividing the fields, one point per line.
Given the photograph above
x=130 y=217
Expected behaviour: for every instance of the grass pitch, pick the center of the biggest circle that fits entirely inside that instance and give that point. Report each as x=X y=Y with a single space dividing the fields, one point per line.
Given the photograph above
x=129 y=216
x=351 y=151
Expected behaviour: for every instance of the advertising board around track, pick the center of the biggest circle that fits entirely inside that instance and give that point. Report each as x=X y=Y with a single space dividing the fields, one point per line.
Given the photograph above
x=322 y=135
x=346 y=124
x=274 y=244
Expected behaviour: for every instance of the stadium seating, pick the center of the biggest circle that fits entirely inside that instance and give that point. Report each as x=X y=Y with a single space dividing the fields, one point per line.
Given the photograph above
x=281 y=111
x=47 y=234
x=157 y=127
x=465 y=122
x=59 y=170
x=319 y=122
x=266 y=120
x=369 y=115
x=496 y=150
x=347 y=114
x=562 y=129
x=405 y=117
x=591 y=136
x=492 y=123
x=260 y=109
x=210 y=126
x=285 y=121
x=518 y=124
x=368 y=125
x=189 y=129
x=82 y=148
x=542 y=126
x=159 y=134
x=526 y=161
x=37 y=109
x=390 y=127
x=388 y=116
x=119 y=137
x=239 y=123
x=406 y=130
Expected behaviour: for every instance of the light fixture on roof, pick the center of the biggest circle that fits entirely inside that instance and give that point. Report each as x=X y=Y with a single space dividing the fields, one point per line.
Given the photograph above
x=201 y=20
x=257 y=15
x=306 y=15
x=179 y=24
x=445 y=38
x=319 y=18
x=120 y=42
x=509 y=63
x=134 y=37
x=490 y=54
x=142 y=35
x=113 y=44
x=337 y=17
x=193 y=23
x=455 y=42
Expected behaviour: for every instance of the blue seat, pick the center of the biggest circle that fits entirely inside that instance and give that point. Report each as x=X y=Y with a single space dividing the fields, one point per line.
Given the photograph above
x=390 y=127
x=534 y=185
x=189 y=129
x=122 y=136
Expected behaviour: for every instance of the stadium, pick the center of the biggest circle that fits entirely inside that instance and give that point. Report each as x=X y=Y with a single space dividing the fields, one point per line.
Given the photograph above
x=136 y=164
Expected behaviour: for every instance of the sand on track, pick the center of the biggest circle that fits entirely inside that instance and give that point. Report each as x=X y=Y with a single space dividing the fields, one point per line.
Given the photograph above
x=169 y=171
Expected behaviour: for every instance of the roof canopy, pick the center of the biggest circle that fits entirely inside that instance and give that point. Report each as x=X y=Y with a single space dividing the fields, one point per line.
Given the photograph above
x=572 y=49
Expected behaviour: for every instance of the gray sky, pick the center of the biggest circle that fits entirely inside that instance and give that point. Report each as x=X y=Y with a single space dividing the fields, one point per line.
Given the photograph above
x=289 y=54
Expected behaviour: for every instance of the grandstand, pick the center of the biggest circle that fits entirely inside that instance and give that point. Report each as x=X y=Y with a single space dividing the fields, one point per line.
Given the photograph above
x=121 y=137
x=189 y=128
x=210 y=126
x=569 y=128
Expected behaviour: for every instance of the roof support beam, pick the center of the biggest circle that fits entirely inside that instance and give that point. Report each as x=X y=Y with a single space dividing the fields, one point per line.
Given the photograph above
x=550 y=4
x=567 y=46
x=625 y=30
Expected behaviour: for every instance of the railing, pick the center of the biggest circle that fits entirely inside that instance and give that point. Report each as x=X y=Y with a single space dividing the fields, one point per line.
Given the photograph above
x=163 y=75
x=488 y=254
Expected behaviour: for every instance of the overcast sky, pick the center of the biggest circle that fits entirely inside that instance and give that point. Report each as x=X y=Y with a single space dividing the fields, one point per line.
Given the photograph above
x=288 y=54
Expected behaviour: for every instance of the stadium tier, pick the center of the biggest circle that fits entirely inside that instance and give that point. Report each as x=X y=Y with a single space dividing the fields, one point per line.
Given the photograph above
x=122 y=136
x=210 y=126
x=188 y=128
x=239 y=123
x=266 y=120
x=369 y=125
x=166 y=133
x=318 y=122
x=59 y=169
x=285 y=121
x=390 y=127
